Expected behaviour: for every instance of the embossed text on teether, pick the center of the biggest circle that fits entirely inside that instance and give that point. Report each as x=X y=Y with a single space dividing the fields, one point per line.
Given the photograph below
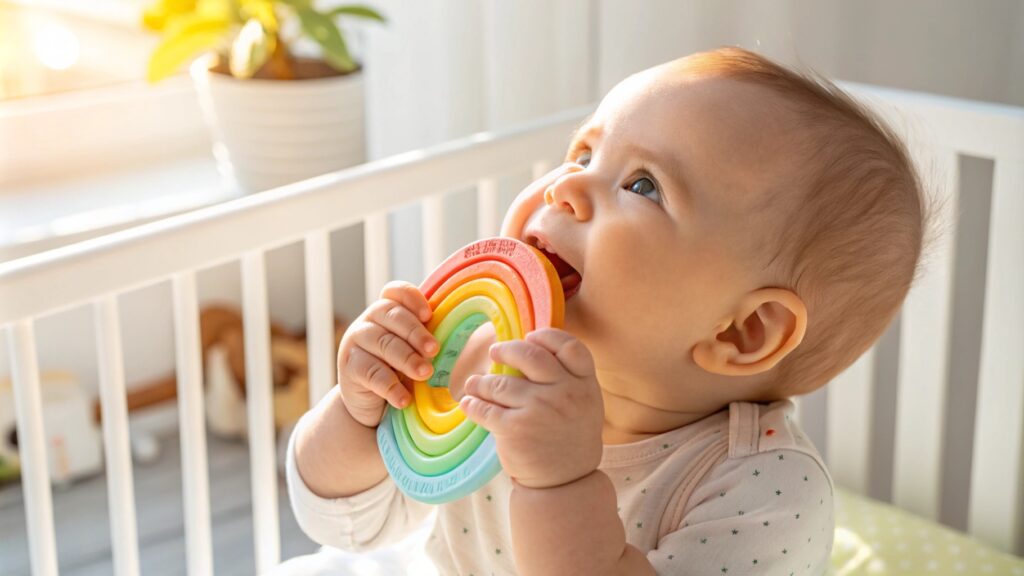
x=503 y=246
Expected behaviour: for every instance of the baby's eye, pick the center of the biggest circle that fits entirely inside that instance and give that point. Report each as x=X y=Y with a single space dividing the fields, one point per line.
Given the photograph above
x=583 y=158
x=647 y=188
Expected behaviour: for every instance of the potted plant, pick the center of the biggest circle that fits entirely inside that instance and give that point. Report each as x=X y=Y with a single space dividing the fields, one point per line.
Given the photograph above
x=276 y=116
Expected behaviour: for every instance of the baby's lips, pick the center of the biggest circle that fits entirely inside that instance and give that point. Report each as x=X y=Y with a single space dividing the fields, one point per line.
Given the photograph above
x=527 y=202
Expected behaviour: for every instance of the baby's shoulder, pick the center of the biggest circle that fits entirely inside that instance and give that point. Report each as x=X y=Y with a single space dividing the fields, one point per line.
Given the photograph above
x=769 y=434
x=756 y=428
x=767 y=472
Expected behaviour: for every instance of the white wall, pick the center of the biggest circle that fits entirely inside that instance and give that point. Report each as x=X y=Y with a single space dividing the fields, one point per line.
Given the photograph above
x=965 y=49
x=444 y=69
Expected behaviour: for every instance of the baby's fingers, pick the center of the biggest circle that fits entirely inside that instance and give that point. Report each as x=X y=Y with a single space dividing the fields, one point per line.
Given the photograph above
x=568 y=349
x=371 y=373
x=493 y=417
x=409 y=296
x=392 y=349
x=535 y=362
x=396 y=318
x=508 y=391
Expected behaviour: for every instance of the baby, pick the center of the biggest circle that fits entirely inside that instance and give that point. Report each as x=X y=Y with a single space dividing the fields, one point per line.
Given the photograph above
x=729 y=234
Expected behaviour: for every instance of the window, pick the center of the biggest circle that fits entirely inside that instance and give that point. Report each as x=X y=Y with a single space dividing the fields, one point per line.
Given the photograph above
x=59 y=46
x=86 y=144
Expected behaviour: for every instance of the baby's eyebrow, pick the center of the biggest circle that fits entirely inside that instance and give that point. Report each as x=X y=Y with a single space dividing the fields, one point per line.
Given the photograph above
x=668 y=165
x=594 y=132
x=585 y=130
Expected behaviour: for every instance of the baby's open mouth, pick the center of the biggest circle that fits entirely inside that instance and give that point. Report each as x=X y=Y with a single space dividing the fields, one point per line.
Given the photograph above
x=571 y=279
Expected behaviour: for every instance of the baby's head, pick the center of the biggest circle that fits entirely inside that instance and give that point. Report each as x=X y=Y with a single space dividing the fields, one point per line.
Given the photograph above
x=742 y=232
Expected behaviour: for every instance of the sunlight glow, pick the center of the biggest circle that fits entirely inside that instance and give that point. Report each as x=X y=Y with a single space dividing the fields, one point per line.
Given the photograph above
x=55 y=46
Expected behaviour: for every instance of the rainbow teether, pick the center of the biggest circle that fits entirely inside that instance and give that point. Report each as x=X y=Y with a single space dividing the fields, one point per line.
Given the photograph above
x=431 y=450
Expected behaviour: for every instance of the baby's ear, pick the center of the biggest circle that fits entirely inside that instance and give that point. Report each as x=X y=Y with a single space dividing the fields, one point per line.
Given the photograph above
x=765 y=327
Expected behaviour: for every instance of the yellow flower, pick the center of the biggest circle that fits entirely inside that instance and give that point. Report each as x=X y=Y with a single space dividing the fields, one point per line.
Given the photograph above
x=156 y=16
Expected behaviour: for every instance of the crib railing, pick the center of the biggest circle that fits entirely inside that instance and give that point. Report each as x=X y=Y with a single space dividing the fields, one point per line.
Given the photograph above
x=940 y=132
x=97 y=271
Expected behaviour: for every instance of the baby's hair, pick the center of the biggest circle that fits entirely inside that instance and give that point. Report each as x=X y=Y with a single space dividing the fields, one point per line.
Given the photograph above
x=852 y=233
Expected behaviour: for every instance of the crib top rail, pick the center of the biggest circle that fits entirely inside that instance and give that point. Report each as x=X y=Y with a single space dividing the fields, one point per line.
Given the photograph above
x=58 y=279
x=982 y=129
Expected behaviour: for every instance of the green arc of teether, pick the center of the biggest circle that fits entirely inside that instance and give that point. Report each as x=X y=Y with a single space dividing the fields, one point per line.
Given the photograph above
x=426 y=440
x=477 y=301
x=432 y=454
x=434 y=444
x=428 y=465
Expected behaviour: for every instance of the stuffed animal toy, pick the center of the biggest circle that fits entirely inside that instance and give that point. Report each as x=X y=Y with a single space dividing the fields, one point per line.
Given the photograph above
x=221 y=335
x=225 y=372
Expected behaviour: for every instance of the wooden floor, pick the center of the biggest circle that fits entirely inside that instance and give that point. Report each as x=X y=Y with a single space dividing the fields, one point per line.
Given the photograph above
x=83 y=531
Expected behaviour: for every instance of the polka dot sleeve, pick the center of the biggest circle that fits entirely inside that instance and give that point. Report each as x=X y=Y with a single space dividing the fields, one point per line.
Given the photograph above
x=380 y=516
x=767 y=513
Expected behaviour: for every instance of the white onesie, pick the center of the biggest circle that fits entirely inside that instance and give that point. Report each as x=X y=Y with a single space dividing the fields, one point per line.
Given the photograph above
x=742 y=491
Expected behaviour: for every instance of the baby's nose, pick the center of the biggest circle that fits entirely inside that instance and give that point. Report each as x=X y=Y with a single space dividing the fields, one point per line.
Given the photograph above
x=569 y=192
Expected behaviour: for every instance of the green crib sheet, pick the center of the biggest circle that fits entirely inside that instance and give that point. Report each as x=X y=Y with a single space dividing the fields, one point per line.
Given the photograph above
x=877 y=539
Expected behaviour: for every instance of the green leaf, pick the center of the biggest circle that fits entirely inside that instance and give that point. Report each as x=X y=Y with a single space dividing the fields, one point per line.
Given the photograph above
x=298 y=4
x=251 y=49
x=322 y=29
x=191 y=35
x=357 y=12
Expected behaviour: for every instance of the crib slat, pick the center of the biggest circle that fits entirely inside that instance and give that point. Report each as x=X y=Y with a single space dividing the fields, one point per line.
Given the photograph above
x=195 y=477
x=811 y=415
x=849 y=423
x=35 y=479
x=259 y=395
x=433 y=231
x=376 y=262
x=995 y=500
x=924 y=337
x=120 y=482
x=488 y=222
x=320 y=315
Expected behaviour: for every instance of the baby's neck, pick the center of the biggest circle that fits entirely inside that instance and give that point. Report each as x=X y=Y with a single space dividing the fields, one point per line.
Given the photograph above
x=627 y=420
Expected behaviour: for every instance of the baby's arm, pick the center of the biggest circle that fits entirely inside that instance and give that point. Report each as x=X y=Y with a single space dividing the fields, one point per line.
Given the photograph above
x=336 y=472
x=547 y=428
x=328 y=444
x=386 y=340
x=573 y=529
x=368 y=519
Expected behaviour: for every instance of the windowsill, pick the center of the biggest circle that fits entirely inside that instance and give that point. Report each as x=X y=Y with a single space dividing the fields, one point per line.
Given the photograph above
x=38 y=217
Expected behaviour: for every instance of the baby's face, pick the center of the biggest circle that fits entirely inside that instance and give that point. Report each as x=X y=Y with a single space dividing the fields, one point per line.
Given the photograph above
x=661 y=209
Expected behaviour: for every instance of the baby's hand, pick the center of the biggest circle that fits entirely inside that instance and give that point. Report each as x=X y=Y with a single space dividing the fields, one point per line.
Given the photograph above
x=547 y=426
x=388 y=337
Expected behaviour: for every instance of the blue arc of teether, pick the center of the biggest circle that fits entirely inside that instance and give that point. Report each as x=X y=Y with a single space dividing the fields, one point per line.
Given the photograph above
x=475 y=471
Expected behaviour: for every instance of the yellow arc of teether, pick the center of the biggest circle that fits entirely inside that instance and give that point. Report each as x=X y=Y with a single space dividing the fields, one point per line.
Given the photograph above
x=487 y=296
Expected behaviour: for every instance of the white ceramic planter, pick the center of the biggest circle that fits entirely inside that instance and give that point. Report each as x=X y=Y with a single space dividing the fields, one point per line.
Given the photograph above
x=267 y=133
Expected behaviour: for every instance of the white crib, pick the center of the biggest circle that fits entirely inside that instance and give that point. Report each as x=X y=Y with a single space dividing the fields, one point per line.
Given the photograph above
x=939 y=129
